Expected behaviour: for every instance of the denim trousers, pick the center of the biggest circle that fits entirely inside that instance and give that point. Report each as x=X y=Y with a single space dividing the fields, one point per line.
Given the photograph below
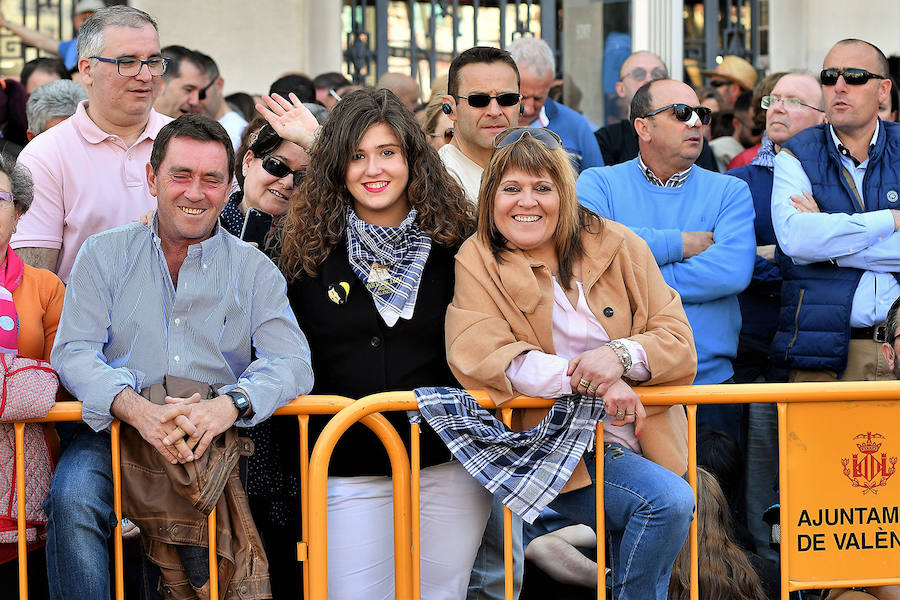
x=488 y=578
x=648 y=515
x=80 y=518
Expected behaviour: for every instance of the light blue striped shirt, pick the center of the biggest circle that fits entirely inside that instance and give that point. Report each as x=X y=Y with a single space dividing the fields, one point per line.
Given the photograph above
x=124 y=325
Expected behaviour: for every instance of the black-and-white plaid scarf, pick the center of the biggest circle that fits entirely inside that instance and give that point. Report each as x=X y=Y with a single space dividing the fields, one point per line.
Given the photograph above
x=526 y=469
x=388 y=260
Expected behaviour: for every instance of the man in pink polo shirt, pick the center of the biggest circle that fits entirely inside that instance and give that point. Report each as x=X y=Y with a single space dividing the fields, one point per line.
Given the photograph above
x=90 y=170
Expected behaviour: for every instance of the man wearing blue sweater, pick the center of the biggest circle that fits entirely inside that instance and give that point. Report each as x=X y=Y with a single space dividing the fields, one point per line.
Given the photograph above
x=537 y=68
x=698 y=224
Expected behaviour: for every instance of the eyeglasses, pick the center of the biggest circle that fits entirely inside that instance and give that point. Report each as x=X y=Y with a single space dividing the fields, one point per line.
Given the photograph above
x=683 y=113
x=717 y=83
x=131 y=67
x=511 y=135
x=275 y=167
x=851 y=76
x=482 y=100
x=447 y=135
x=640 y=74
x=768 y=102
x=202 y=93
x=8 y=197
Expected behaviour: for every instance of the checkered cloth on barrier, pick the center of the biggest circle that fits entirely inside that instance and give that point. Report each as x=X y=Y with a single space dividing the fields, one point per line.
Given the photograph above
x=526 y=469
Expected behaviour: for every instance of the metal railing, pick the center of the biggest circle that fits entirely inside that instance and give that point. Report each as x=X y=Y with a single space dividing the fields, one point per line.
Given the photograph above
x=312 y=549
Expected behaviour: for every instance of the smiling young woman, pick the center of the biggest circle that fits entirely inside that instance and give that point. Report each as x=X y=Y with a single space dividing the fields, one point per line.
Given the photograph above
x=368 y=249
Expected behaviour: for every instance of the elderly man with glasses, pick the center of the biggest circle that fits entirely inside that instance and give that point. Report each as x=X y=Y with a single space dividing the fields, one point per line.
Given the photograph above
x=835 y=213
x=89 y=171
x=794 y=104
x=698 y=224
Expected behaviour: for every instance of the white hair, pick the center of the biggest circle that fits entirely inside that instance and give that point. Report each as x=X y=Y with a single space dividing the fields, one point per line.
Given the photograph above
x=90 y=34
x=534 y=54
x=57 y=98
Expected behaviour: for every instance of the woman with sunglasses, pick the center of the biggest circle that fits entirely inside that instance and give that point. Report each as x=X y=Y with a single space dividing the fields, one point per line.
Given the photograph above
x=553 y=301
x=367 y=249
x=267 y=170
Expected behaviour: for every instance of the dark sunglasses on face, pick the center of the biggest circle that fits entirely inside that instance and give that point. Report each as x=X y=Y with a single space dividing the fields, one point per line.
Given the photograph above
x=447 y=135
x=482 y=100
x=511 y=135
x=275 y=167
x=683 y=112
x=717 y=83
x=851 y=76
x=640 y=74
x=202 y=93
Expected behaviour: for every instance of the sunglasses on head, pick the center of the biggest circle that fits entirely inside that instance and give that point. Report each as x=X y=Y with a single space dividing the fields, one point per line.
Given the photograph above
x=482 y=100
x=851 y=76
x=275 y=167
x=511 y=135
x=683 y=112
x=447 y=135
x=640 y=74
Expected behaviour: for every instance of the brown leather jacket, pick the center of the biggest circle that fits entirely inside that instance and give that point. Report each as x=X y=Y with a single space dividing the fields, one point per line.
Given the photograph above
x=171 y=503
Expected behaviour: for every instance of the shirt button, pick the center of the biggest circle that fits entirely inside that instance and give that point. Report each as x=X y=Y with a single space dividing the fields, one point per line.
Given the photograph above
x=177 y=358
x=375 y=341
x=204 y=265
x=178 y=321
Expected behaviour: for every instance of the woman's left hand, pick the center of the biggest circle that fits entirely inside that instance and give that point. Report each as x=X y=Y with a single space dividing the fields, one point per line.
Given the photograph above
x=624 y=404
x=594 y=371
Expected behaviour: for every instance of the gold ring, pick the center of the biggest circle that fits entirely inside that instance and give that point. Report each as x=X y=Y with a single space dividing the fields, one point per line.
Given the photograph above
x=584 y=383
x=591 y=389
x=620 y=414
x=628 y=414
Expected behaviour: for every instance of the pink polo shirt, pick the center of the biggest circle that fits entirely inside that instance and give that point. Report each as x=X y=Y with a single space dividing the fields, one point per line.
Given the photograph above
x=85 y=181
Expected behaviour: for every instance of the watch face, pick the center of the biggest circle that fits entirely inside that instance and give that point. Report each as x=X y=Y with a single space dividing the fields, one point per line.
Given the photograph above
x=240 y=401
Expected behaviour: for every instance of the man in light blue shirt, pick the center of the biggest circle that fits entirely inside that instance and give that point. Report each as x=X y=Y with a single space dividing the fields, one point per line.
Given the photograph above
x=835 y=213
x=182 y=298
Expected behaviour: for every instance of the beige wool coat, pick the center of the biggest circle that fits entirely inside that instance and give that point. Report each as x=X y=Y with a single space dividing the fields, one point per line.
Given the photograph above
x=501 y=309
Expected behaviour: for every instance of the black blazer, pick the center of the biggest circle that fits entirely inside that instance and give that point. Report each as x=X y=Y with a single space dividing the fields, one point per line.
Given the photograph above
x=354 y=353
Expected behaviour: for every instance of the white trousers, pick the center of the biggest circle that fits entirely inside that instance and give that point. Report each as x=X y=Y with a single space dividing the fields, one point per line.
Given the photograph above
x=454 y=508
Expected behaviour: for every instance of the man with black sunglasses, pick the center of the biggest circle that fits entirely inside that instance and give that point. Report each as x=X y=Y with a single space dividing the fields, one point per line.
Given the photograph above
x=482 y=100
x=618 y=141
x=835 y=201
x=698 y=224
x=212 y=101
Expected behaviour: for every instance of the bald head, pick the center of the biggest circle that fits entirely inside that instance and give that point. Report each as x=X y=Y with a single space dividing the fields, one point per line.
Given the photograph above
x=668 y=145
x=638 y=69
x=404 y=86
x=783 y=119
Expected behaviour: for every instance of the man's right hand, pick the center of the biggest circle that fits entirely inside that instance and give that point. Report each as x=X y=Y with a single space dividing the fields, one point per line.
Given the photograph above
x=154 y=422
x=695 y=242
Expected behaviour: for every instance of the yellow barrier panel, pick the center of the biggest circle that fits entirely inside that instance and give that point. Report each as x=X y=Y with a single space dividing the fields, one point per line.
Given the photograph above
x=314 y=487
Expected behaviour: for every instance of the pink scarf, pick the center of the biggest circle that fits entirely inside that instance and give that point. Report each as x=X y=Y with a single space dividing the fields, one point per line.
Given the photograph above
x=11 y=272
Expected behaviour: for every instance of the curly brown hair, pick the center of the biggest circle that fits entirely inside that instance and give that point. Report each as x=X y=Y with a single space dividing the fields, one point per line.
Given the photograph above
x=316 y=218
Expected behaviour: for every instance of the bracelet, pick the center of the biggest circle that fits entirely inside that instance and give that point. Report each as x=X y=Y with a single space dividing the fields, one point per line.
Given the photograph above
x=622 y=354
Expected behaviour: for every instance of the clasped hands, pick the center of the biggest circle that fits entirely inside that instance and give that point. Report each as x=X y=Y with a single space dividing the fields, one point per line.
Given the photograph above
x=598 y=372
x=183 y=428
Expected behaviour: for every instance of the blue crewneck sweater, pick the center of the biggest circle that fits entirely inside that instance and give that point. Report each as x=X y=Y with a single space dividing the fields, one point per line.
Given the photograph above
x=709 y=282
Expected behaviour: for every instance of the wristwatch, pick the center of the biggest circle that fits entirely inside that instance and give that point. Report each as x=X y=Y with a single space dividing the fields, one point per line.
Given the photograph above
x=241 y=403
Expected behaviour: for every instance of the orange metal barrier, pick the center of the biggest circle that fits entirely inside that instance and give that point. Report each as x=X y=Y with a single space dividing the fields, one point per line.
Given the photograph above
x=314 y=473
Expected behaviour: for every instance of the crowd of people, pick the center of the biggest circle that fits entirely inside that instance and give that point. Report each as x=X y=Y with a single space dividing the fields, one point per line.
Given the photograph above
x=188 y=262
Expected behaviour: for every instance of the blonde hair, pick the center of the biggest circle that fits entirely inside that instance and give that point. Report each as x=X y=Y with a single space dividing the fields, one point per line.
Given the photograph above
x=532 y=156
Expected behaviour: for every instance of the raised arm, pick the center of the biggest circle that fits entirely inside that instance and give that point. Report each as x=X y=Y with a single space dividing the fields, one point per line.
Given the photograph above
x=30 y=37
x=290 y=119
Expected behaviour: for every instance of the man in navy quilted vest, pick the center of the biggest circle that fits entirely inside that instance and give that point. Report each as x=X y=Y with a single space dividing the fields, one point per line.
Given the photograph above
x=835 y=201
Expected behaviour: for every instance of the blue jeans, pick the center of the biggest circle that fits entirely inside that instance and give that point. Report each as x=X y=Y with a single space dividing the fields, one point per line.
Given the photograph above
x=80 y=518
x=488 y=578
x=648 y=515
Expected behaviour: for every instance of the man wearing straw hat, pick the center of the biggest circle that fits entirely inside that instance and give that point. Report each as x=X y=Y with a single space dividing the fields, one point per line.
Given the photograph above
x=733 y=76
